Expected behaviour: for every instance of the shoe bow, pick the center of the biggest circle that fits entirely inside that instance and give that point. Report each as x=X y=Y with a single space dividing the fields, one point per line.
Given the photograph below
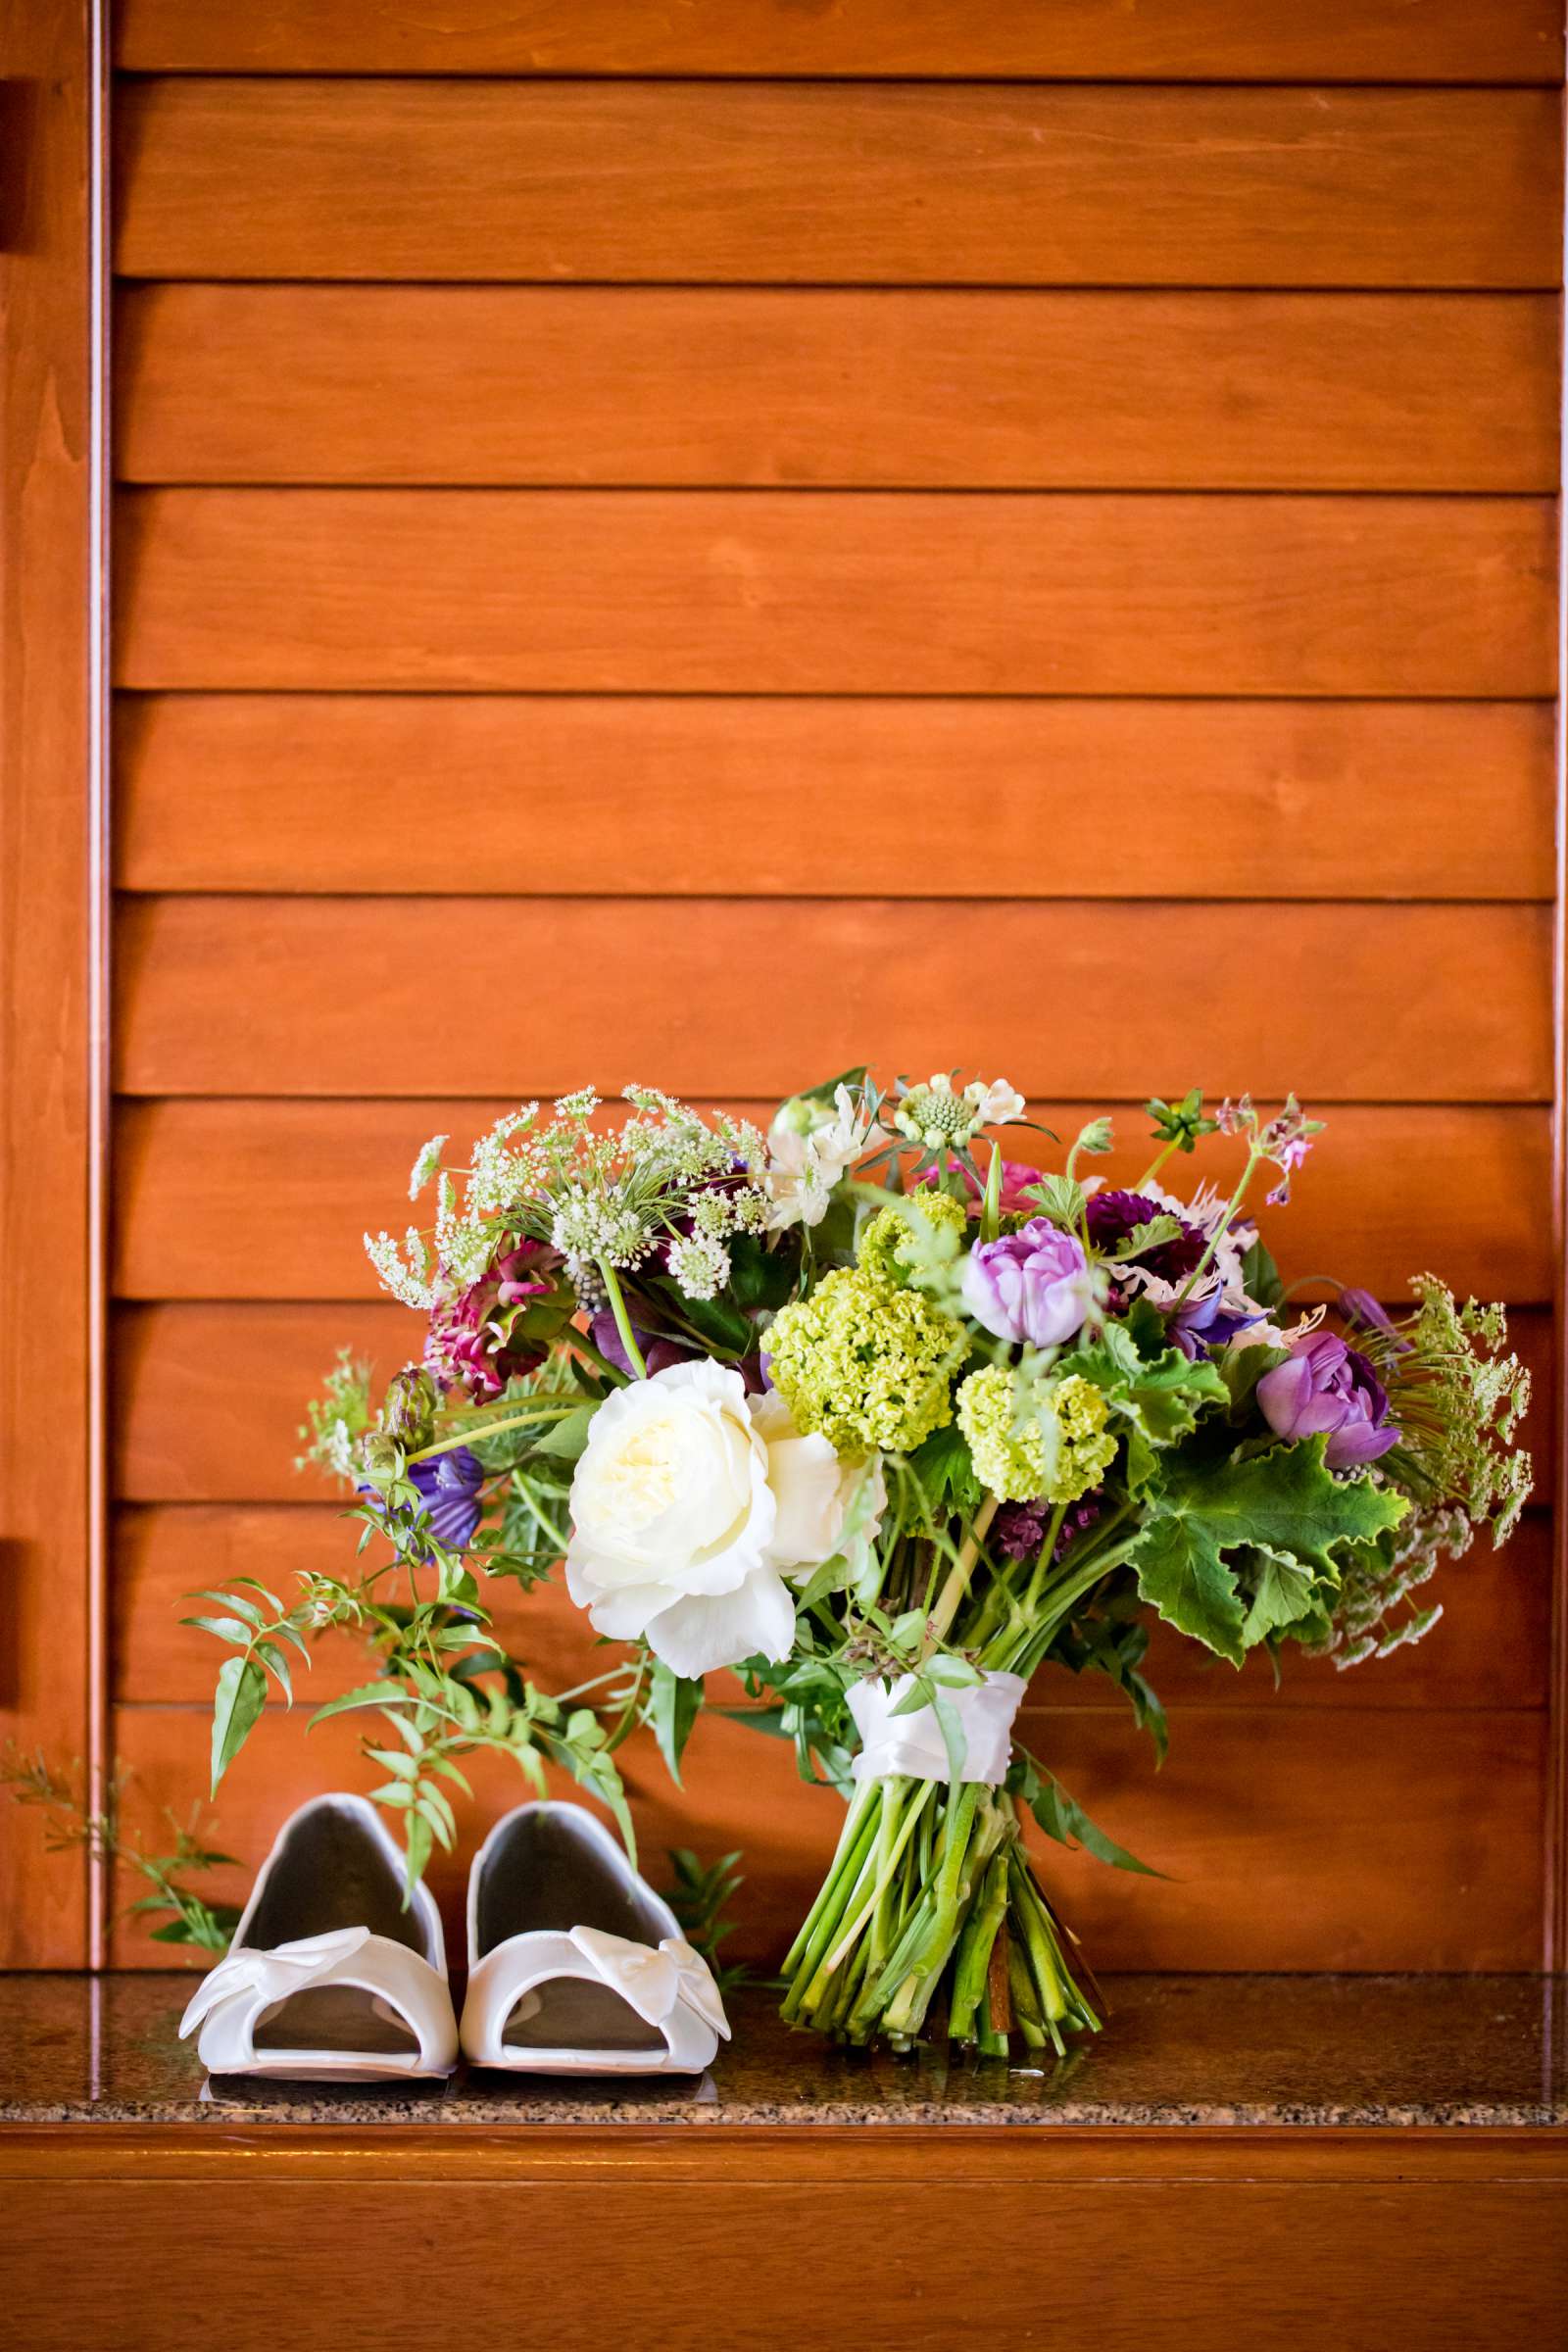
x=653 y=1982
x=288 y=1967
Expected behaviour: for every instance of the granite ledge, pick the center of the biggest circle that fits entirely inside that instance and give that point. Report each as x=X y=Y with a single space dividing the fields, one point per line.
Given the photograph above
x=1305 y=2053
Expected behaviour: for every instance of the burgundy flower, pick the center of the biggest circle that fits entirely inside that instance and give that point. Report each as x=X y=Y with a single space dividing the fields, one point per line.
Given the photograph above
x=1324 y=1387
x=1113 y=1216
x=471 y=1344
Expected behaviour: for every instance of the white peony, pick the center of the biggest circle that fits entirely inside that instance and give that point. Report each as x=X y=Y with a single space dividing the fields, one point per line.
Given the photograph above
x=688 y=1501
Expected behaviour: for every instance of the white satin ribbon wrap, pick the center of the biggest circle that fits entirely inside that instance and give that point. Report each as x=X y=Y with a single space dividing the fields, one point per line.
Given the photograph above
x=912 y=1747
x=232 y=1999
x=671 y=1987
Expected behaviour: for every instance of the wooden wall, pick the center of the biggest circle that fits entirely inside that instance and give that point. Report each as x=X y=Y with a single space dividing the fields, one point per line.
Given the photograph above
x=688 y=544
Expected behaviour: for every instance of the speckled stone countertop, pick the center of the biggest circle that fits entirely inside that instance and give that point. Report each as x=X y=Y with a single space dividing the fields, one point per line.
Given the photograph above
x=1379 y=2052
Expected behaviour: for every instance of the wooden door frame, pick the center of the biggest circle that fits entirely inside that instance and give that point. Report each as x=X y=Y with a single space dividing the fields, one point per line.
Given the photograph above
x=55 y=1688
x=54 y=938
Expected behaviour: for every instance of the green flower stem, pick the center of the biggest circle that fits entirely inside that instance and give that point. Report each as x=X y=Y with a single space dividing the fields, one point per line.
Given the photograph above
x=974 y=1950
x=893 y=1836
x=1255 y=1160
x=867 y=1798
x=957 y=1581
x=618 y=1305
x=539 y=1408
x=811 y=1978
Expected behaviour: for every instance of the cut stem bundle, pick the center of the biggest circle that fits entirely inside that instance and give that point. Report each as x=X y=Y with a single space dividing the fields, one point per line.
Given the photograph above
x=932 y=1912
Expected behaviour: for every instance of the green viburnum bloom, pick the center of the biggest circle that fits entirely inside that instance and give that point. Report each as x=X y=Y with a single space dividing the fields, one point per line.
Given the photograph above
x=884 y=1251
x=1057 y=1450
x=868 y=1365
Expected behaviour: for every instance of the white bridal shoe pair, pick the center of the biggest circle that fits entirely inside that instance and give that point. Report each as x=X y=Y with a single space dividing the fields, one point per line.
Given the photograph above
x=575 y=1965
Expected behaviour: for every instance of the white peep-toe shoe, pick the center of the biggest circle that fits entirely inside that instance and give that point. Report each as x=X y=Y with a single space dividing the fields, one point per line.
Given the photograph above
x=575 y=1965
x=328 y=1977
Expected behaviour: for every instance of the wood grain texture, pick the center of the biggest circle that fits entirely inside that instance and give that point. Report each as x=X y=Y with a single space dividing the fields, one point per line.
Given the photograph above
x=231 y=791
x=1293 y=1838
x=801 y=592
x=823 y=183
x=1095 y=40
x=258 y=1200
x=361 y=996
x=209 y=1398
x=1261 y=2259
x=764 y=389
x=45 y=1214
x=1489 y=1650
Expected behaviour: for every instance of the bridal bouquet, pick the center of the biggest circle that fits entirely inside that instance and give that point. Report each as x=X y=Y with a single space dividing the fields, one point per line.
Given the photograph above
x=883 y=1420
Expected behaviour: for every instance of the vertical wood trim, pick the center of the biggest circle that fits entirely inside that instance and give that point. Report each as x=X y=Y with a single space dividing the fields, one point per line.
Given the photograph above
x=52 y=1002
x=99 y=1665
x=1555 y=1934
x=1556 y=1925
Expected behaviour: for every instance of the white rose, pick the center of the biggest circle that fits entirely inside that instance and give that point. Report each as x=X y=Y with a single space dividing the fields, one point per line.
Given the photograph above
x=684 y=1516
x=815 y=1489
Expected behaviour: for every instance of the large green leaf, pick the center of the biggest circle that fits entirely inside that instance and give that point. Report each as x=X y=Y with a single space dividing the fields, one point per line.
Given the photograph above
x=238 y=1702
x=1181 y=1573
x=1282 y=1503
x=1283 y=1499
x=674 y=1704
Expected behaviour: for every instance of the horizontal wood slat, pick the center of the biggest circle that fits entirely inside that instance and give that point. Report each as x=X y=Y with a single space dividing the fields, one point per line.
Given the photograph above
x=1293 y=1839
x=816 y=591
x=870 y=391
x=1489 y=1649
x=1180 y=40
x=831 y=184
x=306 y=793
x=1074 y=1001
x=268 y=1199
x=207 y=1399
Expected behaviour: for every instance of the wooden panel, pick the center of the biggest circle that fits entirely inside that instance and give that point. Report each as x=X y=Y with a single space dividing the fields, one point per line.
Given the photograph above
x=1490 y=1650
x=815 y=184
x=1294 y=1838
x=882 y=390
x=209 y=1398
x=1441 y=800
x=1248 y=2238
x=1264 y=2259
x=302 y=995
x=268 y=1199
x=46 y=1214
x=1098 y=40
x=815 y=591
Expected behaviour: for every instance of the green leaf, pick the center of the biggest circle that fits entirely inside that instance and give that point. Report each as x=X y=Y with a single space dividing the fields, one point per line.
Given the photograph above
x=400 y=1767
x=240 y=1697
x=233 y=1601
x=1284 y=1500
x=418 y=1838
x=1260 y=1277
x=674 y=1704
x=274 y=1660
x=250 y=1585
x=1062 y=1817
x=1062 y=1199
x=568 y=1437
x=368 y=1695
x=1282 y=1594
x=941 y=1464
x=227 y=1629
x=1180 y=1574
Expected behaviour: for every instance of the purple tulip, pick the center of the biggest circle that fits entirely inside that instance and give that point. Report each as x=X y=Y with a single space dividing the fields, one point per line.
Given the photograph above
x=1030 y=1285
x=1328 y=1388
